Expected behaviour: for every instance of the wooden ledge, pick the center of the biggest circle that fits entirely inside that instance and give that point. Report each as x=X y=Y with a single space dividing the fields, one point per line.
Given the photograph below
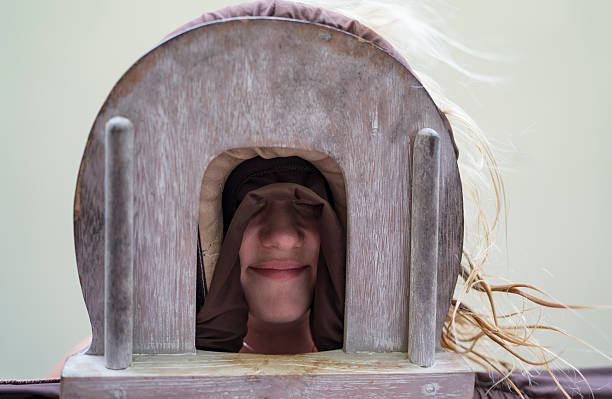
x=323 y=374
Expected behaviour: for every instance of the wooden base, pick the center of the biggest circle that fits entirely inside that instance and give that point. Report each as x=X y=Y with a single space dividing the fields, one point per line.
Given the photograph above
x=333 y=374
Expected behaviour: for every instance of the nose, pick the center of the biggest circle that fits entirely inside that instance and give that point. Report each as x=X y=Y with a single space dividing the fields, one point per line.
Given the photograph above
x=281 y=230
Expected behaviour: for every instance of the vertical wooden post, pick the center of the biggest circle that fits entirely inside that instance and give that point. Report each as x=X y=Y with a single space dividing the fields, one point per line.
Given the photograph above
x=119 y=245
x=424 y=248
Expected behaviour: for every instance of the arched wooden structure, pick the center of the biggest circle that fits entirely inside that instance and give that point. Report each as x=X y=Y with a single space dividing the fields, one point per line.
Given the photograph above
x=271 y=82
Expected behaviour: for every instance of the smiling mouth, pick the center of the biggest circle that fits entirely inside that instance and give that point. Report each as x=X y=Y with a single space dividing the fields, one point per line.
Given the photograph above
x=279 y=270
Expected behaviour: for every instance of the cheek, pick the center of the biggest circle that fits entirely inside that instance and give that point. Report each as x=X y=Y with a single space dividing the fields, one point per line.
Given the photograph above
x=312 y=247
x=248 y=248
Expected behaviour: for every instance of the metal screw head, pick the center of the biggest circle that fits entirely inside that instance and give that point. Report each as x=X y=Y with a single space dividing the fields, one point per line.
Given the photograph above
x=430 y=389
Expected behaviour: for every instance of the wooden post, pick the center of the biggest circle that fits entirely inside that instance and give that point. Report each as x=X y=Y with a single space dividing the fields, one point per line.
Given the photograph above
x=424 y=249
x=119 y=246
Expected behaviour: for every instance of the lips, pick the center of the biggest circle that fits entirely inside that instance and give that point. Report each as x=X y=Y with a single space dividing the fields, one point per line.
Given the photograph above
x=279 y=269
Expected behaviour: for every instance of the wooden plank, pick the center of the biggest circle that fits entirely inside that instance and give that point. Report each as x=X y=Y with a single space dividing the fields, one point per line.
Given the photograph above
x=119 y=243
x=424 y=248
x=316 y=375
x=227 y=85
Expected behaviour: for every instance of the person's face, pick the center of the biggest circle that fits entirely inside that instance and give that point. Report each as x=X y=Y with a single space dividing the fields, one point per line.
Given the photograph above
x=278 y=260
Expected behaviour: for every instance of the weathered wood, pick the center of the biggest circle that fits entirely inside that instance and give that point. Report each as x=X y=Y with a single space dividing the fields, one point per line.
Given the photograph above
x=227 y=85
x=333 y=374
x=424 y=248
x=119 y=243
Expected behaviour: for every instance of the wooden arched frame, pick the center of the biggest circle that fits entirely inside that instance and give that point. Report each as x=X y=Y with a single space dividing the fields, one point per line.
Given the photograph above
x=267 y=82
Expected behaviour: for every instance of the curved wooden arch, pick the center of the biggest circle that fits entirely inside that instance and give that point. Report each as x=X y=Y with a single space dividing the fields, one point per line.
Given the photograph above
x=266 y=82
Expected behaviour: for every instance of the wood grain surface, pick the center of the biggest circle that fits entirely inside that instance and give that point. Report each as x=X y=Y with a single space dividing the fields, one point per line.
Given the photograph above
x=119 y=243
x=267 y=82
x=422 y=337
x=332 y=374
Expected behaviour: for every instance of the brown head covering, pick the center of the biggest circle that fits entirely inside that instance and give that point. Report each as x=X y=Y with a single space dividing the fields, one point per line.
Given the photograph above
x=222 y=320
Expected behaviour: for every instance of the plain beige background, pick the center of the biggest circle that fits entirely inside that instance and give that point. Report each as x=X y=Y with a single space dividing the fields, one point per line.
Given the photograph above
x=549 y=118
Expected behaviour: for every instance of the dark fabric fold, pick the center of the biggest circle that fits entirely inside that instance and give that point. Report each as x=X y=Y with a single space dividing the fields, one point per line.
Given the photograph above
x=327 y=315
x=594 y=383
x=29 y=389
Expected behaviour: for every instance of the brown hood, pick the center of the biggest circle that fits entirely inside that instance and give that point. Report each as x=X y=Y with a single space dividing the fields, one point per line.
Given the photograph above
x=221 y=323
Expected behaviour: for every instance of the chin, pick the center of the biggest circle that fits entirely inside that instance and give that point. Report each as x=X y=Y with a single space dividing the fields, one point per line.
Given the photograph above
x=274 y=302
x=279 y=315
x=283 y=319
